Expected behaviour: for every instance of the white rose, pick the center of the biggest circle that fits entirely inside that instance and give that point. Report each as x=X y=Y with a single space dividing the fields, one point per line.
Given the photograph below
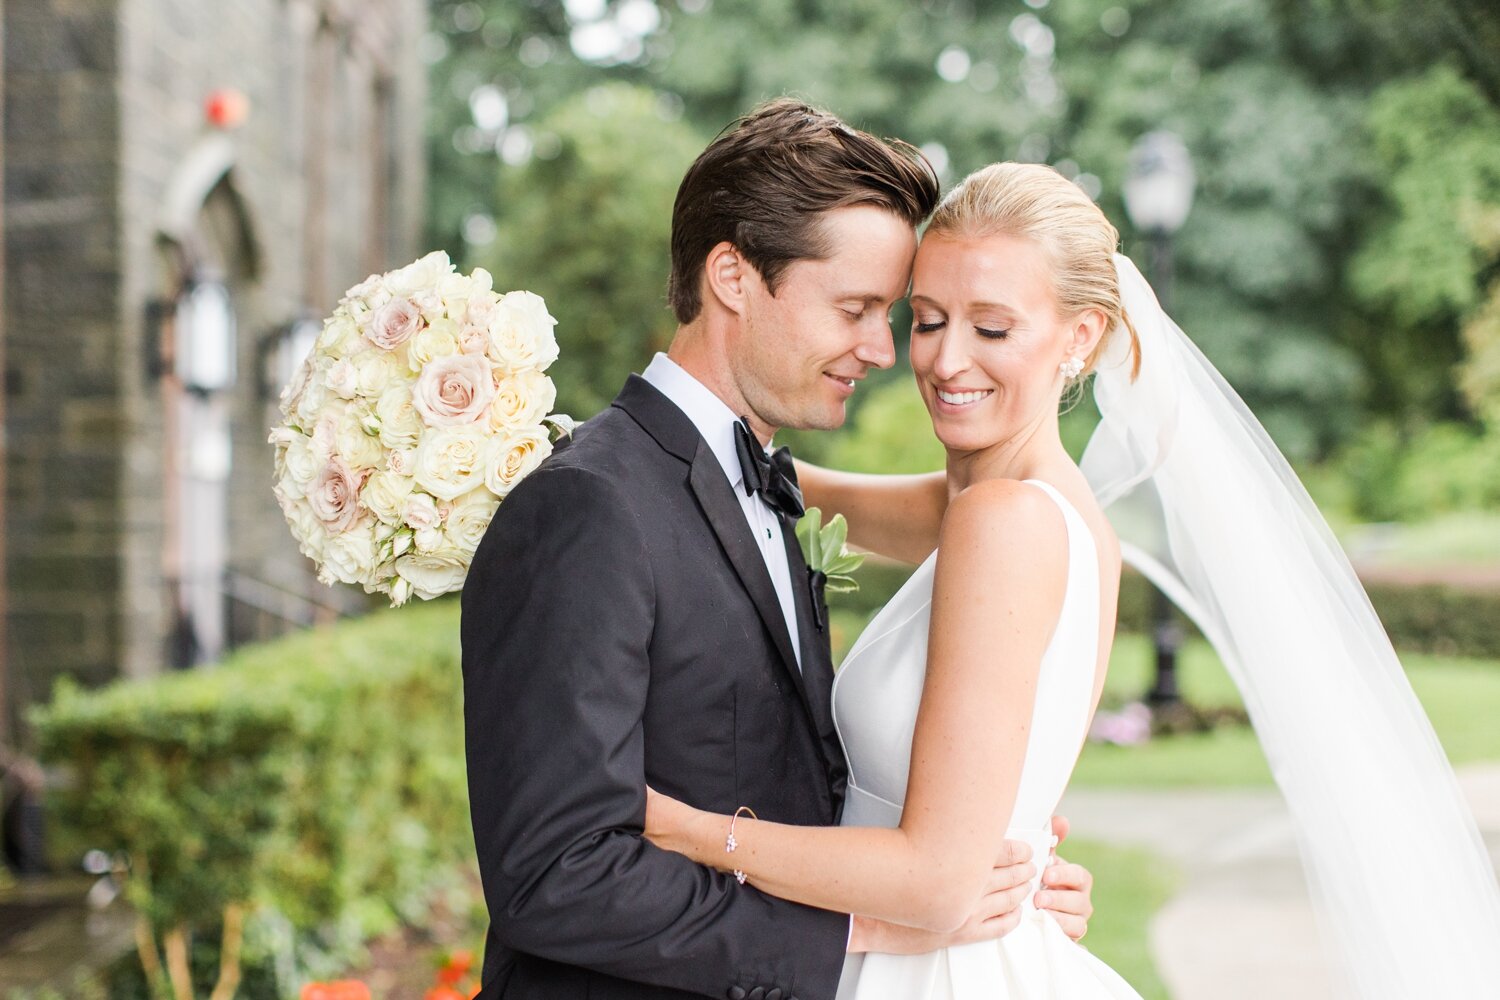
x=402 y=461
x=454 y=390
x=468 y=518
x=431 y=304
x=349 y=557
x=306 y=528
x=428 y=540
x=374 y=371
x=385 y=494
x=522 y=400
x=473 y=339
x=512 y=457
x=521 y=335
x=301 y=464
x=340 y=336
x=433 y=575
x=352 y=442
x=325 y=431
x=334 y=496
x=400 y=424
x=393 y=324
x=314 y=398
x=439 y=340
x=420 y=512
x=419 y=274
x=343 y=378
x=451 y=460
x=480 y=311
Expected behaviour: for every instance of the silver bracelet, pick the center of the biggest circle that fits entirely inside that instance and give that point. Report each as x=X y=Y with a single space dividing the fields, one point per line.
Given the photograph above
x=730 y=844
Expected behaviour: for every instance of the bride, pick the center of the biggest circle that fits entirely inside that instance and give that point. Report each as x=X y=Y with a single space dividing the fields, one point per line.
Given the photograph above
x=964 y=705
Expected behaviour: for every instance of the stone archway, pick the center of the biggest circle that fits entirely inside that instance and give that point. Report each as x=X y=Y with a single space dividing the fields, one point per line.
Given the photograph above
x=209 y=256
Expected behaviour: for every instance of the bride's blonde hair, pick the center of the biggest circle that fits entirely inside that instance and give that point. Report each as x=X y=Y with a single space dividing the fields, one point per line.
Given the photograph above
x=1034 y=202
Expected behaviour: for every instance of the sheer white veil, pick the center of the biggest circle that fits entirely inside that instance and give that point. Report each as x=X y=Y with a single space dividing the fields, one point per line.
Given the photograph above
x=1208 y=509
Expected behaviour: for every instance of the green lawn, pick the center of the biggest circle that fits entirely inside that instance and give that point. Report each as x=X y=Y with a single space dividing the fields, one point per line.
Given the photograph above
x=1462 y=697
x=1129 y=886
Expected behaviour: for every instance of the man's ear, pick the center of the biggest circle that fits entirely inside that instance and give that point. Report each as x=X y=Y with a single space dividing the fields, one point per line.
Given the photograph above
x=727 y=276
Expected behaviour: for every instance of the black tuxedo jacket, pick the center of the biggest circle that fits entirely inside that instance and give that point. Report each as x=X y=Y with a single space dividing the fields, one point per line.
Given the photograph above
x=620 y=628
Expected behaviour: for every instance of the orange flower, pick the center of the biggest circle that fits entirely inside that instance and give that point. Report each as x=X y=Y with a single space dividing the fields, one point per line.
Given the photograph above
x=342 y=989
x=443 y=993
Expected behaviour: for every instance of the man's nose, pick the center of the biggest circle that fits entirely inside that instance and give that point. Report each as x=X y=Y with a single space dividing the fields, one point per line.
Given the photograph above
x=876 y=347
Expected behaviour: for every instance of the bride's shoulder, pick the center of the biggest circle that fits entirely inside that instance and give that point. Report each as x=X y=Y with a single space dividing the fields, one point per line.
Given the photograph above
x=1003 y=537
x=1003 y=517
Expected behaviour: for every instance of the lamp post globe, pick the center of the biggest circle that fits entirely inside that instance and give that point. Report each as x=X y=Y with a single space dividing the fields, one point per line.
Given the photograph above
x=1159 y=187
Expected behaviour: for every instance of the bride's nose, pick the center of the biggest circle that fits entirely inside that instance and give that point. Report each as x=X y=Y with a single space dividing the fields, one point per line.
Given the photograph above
x=952 y=357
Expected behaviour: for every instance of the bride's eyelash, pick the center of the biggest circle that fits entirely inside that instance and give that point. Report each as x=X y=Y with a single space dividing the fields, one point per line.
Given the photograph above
x=929 y=327
x=992 y=334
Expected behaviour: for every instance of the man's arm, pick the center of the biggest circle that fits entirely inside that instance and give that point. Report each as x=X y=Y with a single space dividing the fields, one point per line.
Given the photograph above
x=558 y=612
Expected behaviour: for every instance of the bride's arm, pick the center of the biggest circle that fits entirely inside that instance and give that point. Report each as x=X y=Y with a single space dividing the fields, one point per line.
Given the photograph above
x=1001 y=574
x=894 y=516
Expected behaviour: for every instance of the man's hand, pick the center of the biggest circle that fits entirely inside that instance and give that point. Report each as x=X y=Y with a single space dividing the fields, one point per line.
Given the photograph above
x=998 y=912
x=1066 y=890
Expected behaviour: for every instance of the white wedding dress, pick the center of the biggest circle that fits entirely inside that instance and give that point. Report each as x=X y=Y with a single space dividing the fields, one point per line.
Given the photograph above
x=875 y=699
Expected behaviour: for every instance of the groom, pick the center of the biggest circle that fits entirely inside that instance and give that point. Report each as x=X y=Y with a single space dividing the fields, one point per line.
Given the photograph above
x=635 y=615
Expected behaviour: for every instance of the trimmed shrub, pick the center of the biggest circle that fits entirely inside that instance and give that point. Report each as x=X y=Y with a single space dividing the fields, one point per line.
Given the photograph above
x=321 y=775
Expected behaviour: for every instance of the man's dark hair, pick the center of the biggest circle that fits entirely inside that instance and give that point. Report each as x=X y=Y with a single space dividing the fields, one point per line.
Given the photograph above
x=765 y=182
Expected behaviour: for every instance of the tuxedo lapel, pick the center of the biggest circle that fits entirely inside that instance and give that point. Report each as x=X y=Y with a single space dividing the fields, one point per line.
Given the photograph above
x=671 y=428
x=727 y=519
x=817 y=658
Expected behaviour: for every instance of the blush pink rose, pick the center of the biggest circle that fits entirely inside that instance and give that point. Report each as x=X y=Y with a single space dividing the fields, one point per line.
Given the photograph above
x=454 y=390
x=394 y=323
x=334 y=496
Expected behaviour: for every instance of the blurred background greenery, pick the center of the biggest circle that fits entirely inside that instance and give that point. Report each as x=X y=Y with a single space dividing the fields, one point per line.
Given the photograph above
x=1339 y=264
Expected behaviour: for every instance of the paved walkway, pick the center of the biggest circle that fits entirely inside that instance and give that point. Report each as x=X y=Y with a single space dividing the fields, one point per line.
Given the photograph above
x=1242 y=882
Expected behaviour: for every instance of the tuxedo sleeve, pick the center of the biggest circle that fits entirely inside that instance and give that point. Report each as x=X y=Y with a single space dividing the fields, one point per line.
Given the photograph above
x=558 y=612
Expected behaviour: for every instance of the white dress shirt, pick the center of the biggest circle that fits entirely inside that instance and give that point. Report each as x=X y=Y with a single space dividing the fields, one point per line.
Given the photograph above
x=715 y=421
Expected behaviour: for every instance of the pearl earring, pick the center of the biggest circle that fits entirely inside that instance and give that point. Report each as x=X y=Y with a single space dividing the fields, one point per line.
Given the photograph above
x=1071 y=368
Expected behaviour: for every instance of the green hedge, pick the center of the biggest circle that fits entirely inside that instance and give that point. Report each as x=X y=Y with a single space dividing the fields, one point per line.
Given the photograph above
x=320 y=776
x=1421 y=618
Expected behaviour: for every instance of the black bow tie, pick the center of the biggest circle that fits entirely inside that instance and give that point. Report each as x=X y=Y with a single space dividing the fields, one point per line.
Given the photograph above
x=772 y=476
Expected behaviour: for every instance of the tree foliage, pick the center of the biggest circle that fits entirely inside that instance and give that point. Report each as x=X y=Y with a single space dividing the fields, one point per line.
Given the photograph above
x=1337 y=144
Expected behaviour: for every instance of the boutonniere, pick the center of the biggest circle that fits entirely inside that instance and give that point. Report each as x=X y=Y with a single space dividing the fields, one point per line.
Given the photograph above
x=829 y=561
x=825 y=552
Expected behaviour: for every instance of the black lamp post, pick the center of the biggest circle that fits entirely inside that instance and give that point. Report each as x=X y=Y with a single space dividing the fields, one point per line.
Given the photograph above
x=1158 y=195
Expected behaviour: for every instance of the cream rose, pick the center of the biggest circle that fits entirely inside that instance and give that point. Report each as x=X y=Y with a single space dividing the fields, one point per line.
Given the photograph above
x=334 y=496
x=394 y=323
x=353 y=442
x=521 y=334
x=451 y=460
x=454 y=390
x=439 y=340
x=420 y=512
x=342 y=378
x=419 y=274
x=512 y=457
x=349 y=557
x=340 y=336
x=468 y=518
x=402 y=461
x=301 y=464
x=376 y=371
x=522 y=400
x=433 y=575
x=385 y=495
x=473 y=339
x=400 y=424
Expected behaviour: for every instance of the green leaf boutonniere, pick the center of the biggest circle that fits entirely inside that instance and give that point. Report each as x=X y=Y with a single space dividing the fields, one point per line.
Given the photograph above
x=824 y=549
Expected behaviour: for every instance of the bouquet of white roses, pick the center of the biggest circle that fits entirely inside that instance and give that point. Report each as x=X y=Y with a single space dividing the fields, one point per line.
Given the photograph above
x=422 y=404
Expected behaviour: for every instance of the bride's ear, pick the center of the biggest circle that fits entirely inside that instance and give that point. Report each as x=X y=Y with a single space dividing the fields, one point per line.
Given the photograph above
x=1087 y=328
x=726 y=275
